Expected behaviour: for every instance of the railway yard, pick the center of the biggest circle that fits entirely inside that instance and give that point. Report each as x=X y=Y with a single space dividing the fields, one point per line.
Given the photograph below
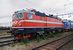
x=36 y=31
x=62 y=41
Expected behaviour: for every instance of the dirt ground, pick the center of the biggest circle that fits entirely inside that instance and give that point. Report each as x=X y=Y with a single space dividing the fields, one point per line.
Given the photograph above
x=68 y=46
x=4 y=32
x=33 y=44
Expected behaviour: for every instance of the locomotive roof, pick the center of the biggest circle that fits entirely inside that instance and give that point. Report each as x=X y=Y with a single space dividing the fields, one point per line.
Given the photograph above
x=38 y=13
x=20 y=11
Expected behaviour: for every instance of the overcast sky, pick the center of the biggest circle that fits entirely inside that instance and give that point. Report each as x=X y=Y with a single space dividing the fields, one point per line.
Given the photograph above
x=8 y=7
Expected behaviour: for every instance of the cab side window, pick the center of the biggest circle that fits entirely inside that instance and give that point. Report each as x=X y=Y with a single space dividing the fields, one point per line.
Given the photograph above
x=20 y=15
x=30 y=15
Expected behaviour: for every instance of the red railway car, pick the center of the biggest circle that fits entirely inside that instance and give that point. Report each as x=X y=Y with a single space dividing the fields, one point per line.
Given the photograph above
x=27 y=23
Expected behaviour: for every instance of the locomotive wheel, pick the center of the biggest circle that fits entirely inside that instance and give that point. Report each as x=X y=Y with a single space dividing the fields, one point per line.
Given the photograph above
x=66 y=30
x=27 y=36
x=23 y=36
x=18 y=37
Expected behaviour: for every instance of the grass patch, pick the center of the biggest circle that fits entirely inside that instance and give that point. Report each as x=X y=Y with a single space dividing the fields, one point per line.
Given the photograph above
x=25 y=41
x=39 y=38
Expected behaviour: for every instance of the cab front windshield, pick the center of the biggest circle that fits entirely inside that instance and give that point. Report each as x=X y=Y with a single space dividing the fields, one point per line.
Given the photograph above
x=17 y=15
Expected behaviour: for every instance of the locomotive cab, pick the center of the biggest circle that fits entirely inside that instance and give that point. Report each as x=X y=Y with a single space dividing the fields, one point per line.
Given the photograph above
x=19 y=24
x=19 y=17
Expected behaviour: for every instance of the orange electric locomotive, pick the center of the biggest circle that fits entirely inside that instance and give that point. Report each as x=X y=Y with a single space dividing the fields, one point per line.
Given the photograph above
x=26 y=23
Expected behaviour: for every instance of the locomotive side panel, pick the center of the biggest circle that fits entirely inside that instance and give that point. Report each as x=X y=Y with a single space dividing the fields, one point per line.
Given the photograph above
x=54 y=23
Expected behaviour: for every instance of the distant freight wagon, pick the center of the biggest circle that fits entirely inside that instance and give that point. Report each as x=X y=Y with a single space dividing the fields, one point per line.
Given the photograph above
x=27 y=23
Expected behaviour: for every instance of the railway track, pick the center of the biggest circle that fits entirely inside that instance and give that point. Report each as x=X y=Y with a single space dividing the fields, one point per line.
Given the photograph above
x=64 y=45
x=68 y=46
x=6 y=40
x=55 y=45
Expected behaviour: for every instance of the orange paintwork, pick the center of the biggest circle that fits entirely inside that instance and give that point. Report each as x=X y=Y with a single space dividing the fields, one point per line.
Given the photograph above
x=36 y=24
